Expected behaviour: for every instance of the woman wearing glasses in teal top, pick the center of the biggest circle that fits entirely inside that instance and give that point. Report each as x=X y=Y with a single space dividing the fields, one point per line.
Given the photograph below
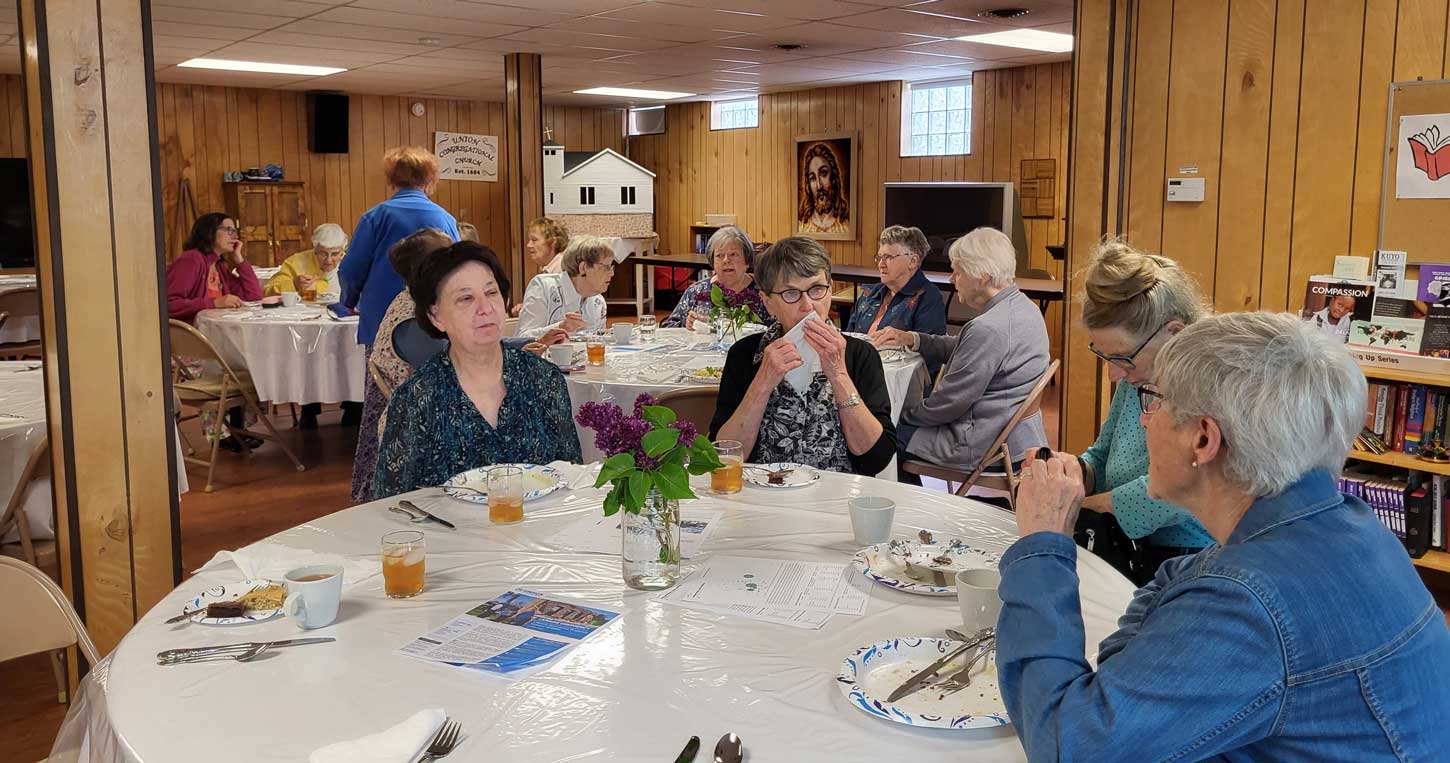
x=838 y=418
x=1133 y=303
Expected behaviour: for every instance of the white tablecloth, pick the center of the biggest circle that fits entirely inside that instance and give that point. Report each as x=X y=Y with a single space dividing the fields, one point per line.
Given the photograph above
x=655 y=368
x=636 y=692
x=19 y=328
x=295 y=354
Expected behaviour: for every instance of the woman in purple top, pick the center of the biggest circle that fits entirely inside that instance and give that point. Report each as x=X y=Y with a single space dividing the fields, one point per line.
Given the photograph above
x=212 y=272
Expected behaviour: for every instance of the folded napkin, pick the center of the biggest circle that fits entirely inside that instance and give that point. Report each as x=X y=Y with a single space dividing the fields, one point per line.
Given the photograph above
x=399 y=744
x=272 y=561
x=576 y=476
x=800 y=377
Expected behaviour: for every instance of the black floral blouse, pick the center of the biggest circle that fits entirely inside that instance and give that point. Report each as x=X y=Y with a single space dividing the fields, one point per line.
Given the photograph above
x=434 y=431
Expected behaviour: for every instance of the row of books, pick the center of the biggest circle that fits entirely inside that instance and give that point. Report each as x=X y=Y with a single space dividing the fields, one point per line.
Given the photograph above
x=1406 y=418
x=1411 y=504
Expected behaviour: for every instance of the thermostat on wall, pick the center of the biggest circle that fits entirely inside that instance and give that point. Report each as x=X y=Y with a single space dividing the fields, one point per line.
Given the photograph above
x=1185 y=189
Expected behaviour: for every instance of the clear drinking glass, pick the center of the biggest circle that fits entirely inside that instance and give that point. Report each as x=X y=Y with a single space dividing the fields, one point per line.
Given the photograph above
x=404 y=557
x=505 y=494
x=594 y=345
x=647 y=326
x=727 y=478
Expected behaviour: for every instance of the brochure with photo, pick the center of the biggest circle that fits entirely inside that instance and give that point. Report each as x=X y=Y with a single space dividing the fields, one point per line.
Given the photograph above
x=1334 y=304
x=515 y=629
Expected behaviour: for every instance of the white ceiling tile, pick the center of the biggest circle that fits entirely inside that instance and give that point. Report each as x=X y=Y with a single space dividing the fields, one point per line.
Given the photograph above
x=912 y=21
x=354 y=34
x=588 y=40
x=229 y=79
x=904 y=57
x=843 y=66
x=201 y=31
x=805 y=10
x=418 y=23
x=670 y=33
x=254 y=21
x=569 y=7
x=549 y=51
x=706 y=17
x=425 y=64
x=828 y=38
x=973 y=50
x=292 y=8
x=304 y=55
x=467 y=11
x=190 y=45
x=1041 y=11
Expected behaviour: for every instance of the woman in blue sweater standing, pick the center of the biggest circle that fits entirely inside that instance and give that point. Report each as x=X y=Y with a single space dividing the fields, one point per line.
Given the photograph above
x=369 y=282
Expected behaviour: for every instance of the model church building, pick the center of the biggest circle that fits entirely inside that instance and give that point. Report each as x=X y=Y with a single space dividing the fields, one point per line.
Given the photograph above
x=598 y=192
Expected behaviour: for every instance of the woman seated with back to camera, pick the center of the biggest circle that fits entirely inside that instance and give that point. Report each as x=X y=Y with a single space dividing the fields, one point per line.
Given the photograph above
x=1303 y=633
x=573 y=299
x=478 y=403
x=990 y=367
x=841 y=420
x=731 y=255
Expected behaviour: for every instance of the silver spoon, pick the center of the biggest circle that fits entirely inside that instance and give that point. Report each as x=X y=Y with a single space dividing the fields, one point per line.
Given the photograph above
x=729 y=749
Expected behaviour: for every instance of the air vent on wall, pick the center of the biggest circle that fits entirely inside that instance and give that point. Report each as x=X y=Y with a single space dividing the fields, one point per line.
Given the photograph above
x=1004 y=13
x=789 y=46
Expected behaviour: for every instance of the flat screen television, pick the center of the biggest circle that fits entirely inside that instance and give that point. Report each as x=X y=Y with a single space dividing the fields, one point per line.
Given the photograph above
x=948 y=211
x=17 y=237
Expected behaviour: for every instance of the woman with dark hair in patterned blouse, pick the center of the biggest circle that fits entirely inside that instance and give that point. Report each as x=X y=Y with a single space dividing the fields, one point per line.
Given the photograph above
x=478 y=403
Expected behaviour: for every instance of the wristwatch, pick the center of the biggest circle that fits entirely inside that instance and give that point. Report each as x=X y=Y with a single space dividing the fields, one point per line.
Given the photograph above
x=851 y=402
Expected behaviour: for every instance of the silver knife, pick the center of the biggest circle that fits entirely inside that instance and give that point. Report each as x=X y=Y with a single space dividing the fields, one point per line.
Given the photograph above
x=171 y=654
x=930 y=671
x=410 y=506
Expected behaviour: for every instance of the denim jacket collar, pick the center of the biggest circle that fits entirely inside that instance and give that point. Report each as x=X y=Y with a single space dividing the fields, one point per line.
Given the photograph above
x=1314 y=492
x=914 y=284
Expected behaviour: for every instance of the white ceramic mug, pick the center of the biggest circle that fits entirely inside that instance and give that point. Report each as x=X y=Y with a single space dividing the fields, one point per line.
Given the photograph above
x=562 y=354
x=313 y=603
x=623 y=333
x=977 y=596
x=871 y=519
x=291 y=299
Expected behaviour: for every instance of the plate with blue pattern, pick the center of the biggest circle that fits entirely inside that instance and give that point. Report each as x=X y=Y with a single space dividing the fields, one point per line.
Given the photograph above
x=470 y=486
x=871 y=673
x=886 y=563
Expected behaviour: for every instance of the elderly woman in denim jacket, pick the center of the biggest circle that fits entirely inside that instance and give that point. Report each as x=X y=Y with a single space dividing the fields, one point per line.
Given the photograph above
x=1302 y=633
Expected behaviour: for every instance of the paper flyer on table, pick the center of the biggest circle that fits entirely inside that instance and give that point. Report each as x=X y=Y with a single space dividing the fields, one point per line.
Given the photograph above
x=597 y=533
x=795 y=618
x=728 y=581
x=515 y=629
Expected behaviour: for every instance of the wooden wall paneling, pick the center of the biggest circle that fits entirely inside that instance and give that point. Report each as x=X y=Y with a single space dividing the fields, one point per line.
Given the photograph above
x=1333 y=30
x=186 y=107
x=1374 y=85
x=873 y=143
x=1195 y=127
x=1153 y=52
x=1246 y=140
x=1280 y=182
x=523 y=142
x=248 y=124
x=1419 y=40
x=167 y=141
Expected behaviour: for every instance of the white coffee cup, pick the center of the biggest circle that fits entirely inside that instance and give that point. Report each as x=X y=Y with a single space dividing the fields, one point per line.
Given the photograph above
x=291 y=299
x=562 y=354
x=977 y=596
x=871 y=519
x=313 y=595
x=623 y=333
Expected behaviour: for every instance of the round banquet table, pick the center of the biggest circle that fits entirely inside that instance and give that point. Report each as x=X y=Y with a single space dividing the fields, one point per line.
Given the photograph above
x=656 y=368
x=295 y=354
x=636 y=691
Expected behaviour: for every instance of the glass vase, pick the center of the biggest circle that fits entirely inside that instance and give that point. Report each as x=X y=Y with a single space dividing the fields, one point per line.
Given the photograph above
x=727 y=332
x=651 y=550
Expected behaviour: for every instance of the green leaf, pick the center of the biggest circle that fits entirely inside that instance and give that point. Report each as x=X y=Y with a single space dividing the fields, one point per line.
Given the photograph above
x=611 y=502
x=659 y=441
x=673 y=482
x=717 y=297
x=703 y=456
x=658 y=415
x=638 y=484
x=614 y=467
x=676 y=456
x=664 y=555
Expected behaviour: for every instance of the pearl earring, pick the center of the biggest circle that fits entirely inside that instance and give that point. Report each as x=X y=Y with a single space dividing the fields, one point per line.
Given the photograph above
x=1195 y=464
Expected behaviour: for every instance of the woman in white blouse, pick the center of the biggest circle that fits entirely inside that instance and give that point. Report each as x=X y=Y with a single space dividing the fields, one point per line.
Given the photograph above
x=573 y=299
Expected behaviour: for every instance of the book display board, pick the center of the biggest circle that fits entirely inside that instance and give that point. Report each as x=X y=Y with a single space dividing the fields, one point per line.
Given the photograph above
x=1418 y=225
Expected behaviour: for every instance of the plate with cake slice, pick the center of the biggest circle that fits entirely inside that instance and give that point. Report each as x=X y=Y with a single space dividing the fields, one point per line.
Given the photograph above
x=241 y=603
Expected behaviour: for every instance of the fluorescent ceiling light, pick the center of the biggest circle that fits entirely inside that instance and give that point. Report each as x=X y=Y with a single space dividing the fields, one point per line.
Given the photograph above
x=1031 y=39
x=629 y=92
x=256 y=66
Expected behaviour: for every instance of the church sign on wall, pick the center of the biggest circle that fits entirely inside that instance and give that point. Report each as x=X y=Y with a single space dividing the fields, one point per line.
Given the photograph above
x=465 y=156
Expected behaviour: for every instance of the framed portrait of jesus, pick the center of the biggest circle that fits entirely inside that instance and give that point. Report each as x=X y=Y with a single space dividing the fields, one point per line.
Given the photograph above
x=826 y=188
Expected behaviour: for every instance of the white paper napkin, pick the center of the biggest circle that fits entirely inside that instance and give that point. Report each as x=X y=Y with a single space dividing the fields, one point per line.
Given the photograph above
x=800 y=377
x=400 y=744
x=576 y=476
x=274 y=560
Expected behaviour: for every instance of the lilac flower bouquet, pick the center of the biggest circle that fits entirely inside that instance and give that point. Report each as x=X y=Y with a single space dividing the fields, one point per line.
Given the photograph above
x=733 y=305
x=650 y=450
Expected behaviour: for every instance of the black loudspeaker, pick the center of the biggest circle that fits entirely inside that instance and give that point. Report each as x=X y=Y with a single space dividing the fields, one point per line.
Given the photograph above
x=326 y=122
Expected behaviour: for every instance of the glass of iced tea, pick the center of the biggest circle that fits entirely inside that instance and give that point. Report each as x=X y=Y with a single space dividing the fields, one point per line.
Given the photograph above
x=726 y=479
x=505 y=494
x=309 y=294
x=594 y=345
x=404 y=555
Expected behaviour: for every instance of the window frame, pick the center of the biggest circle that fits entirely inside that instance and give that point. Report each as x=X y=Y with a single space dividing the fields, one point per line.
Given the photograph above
x=718 y=107
x=906 y=113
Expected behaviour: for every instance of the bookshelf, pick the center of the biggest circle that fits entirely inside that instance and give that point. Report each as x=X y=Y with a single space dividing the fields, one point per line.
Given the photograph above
x=1432 y=560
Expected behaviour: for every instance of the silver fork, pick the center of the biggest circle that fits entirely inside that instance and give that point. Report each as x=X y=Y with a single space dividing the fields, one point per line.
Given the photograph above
x=444 y=742
x=963 y=678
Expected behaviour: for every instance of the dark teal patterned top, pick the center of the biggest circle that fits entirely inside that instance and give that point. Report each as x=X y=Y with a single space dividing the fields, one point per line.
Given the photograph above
x=434 y=430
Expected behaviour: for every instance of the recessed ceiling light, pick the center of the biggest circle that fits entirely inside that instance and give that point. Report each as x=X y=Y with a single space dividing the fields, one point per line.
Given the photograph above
x=629 y=92
x=429 y=41
x=257 y=66
x=1031 y=39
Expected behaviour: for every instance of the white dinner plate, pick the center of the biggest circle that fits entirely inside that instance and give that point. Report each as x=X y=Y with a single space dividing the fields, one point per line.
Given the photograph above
x=699 y=370
x=871 y=673
x=799 y=476
x=885 y=563
x=539 y=481
x=228 y=592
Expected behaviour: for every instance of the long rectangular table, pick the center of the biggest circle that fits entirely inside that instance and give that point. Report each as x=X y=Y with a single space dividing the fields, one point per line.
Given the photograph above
x=1043 y=290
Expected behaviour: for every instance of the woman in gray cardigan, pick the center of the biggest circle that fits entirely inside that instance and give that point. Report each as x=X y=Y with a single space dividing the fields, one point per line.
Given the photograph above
x=989 y=368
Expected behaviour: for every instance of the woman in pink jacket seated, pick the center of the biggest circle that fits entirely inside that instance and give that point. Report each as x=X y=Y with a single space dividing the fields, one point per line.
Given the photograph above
x=211 y=273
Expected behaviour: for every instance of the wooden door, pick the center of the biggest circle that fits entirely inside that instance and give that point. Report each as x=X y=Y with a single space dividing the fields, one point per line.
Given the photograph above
x=255 y=210
x=289 y=221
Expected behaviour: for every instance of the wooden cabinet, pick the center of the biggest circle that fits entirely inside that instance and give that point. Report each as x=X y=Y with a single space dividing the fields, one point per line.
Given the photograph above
x=272 y=217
